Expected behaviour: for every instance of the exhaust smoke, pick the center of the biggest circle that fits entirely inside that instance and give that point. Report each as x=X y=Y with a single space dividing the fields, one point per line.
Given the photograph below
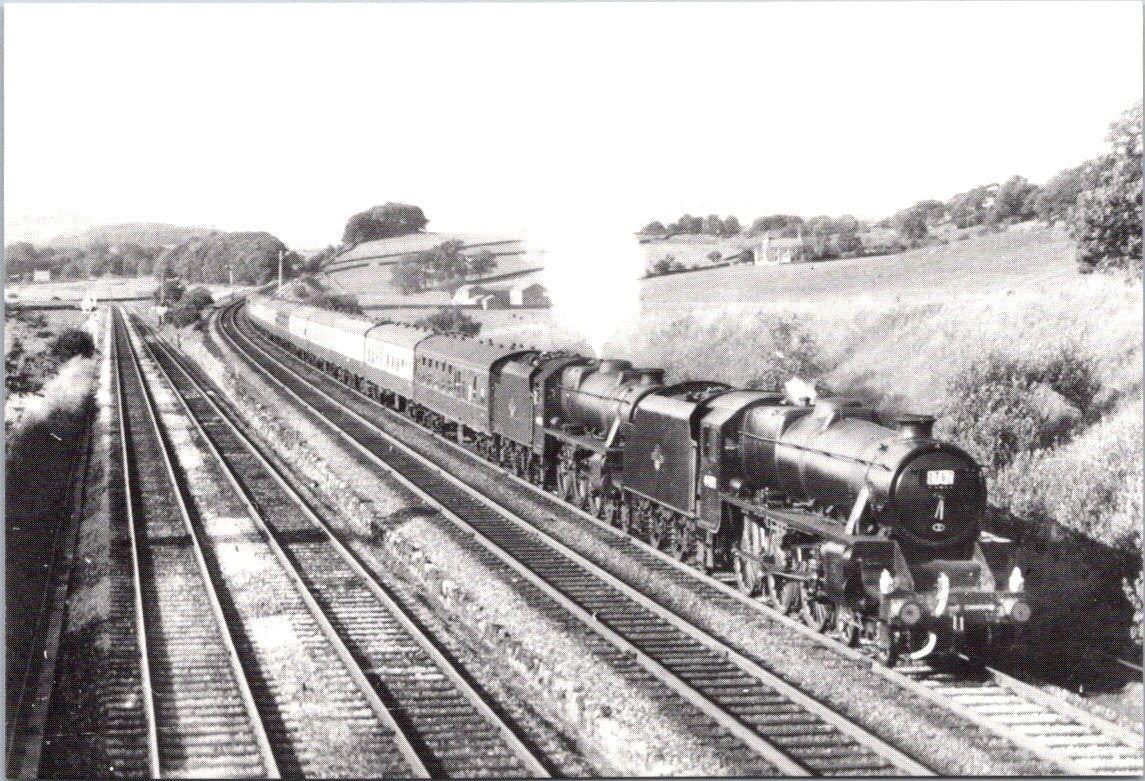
x=592 y=273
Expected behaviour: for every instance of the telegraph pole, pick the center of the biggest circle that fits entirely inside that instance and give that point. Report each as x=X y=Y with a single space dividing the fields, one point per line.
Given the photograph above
x=279 y=270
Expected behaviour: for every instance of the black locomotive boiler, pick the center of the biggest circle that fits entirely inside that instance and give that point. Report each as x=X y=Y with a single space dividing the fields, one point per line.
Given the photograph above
x=863 y=529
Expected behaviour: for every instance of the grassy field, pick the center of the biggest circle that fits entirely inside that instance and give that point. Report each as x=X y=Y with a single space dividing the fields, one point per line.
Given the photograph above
x=373 y=285
x=1037 y=260
x=105 y=288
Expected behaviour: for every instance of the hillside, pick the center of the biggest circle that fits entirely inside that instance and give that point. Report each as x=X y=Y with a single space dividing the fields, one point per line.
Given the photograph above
x=366 y=271
x=147 y=234
x=972 y=267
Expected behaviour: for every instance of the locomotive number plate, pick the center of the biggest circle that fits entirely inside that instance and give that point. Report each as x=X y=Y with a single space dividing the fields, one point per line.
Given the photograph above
x=940 y=477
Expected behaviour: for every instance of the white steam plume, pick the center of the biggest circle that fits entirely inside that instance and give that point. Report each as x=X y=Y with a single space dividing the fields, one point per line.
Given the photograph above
x=800 y=391
x=592 y=273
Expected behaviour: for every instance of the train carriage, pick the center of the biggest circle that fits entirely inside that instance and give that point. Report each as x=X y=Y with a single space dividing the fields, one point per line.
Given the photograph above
x=452 y=379
x=339 y=339
x=389 y=354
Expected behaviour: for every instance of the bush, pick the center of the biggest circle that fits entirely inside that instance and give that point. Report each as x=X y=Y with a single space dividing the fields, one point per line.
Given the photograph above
x=1001 y=406
x=450 y=320
x=182 y=316
x=73 y=342
x=197 y=298
x=1092 y=485
x=792 y=353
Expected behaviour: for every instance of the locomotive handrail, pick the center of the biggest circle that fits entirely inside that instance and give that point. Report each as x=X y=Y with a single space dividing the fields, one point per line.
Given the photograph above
x=839 y=456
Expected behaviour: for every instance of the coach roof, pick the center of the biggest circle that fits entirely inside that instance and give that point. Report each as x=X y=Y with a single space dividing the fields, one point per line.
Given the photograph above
x=467 y=352
x=407 y=336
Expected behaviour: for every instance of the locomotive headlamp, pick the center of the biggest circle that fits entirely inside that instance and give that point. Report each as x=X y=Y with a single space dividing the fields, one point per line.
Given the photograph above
x=886 y=582
x=910 y=613
x=1017 y=582
x=1017 y=609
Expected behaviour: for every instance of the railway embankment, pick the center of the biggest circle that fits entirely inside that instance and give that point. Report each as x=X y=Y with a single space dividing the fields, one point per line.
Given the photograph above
x=617 y=726
x=85 y=735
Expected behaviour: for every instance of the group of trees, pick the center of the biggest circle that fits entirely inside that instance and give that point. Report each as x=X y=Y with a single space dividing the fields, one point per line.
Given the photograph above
x=1100 y=201
x=711 y=225
x=95 y=259
x=216 y=258
x=383 y=222
x=443 y=264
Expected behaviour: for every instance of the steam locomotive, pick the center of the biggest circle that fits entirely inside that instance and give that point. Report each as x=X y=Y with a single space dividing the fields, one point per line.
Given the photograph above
x=867 y=531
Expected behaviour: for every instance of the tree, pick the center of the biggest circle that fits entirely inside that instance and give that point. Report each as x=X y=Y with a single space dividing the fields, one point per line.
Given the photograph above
x=972 y=207
x=1056 y=199
x=409 y=276
x=169 y=290
x=713 y=225
x=783 y=224
x=654 y=228
x=480 y=264
x=732 y=226
x=911 y=223
x=715 y=256
x=383 y=222
x=319 y=259
x=1014 y=201
x=821 y=226
x=450 y=320
x=1107 y=221
x=935 y=211
x=20 y=257
x=690 y=224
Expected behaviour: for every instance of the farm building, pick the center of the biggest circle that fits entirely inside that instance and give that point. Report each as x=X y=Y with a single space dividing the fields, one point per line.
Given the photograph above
x=494 y=299
x=780 y=250
x=42 y=275
x=468 y=295
x=528 y=294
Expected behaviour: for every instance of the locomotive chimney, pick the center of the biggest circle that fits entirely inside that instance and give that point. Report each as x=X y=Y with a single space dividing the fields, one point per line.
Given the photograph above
x=612 y=365
x=915 y=426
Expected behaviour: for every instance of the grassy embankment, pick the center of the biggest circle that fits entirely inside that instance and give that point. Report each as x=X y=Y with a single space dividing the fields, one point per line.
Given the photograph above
x=1040 y=365
x=43 y=440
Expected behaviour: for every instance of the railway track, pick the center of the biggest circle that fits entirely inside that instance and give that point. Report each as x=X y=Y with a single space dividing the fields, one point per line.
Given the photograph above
x=1077 y=741
x=789 y=731
x=443 y=724
x=1055 y=731
x=200 y=713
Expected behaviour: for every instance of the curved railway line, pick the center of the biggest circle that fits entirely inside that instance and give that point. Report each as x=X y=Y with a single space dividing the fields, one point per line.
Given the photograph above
x=791 y=732
x=1057 y=732
x=411 y=712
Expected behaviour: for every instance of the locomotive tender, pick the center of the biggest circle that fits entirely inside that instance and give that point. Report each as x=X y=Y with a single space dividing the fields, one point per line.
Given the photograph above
x=866 y=531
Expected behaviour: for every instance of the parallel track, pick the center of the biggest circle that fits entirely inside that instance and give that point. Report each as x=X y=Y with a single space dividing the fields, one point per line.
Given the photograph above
x=443 y=719
x=200 y=713
x=792 y=732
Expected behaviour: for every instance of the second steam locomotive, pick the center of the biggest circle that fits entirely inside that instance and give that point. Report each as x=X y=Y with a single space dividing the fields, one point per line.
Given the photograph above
x=865 y=530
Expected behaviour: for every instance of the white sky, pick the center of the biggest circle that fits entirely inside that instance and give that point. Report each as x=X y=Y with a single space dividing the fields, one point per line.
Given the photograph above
x=547 y=116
